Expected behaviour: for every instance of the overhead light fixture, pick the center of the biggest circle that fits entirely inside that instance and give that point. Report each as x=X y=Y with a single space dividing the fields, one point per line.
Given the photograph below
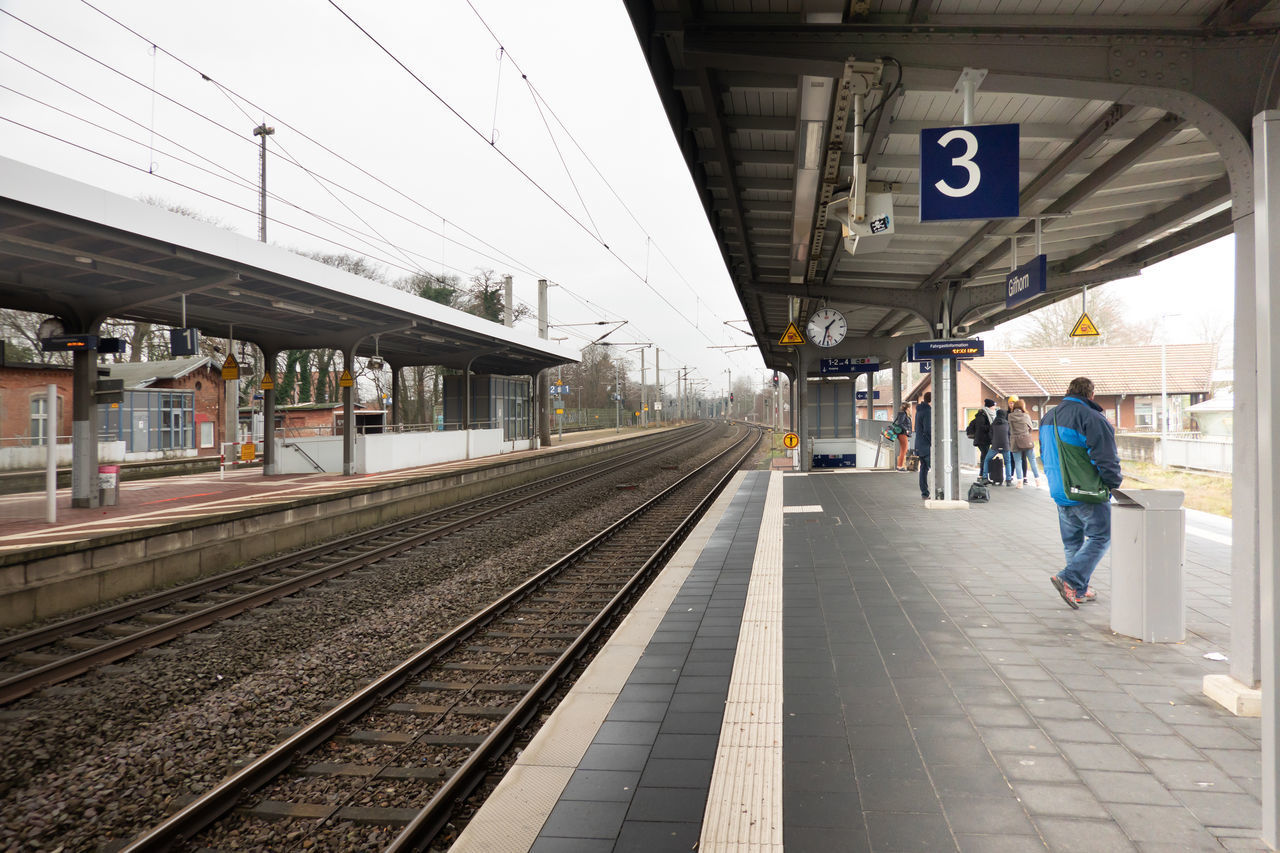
x=81 y=259
x=289 y=306
x=814 y=137
x=233 y=293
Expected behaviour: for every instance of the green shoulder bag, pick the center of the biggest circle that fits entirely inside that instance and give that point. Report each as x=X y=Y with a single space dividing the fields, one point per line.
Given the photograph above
x=1080 y=480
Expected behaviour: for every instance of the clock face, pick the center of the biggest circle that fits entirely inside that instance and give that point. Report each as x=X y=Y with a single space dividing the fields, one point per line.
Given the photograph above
x=827 y=327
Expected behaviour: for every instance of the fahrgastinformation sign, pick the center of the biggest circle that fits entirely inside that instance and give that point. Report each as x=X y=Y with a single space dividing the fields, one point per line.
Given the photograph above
x=947 y=348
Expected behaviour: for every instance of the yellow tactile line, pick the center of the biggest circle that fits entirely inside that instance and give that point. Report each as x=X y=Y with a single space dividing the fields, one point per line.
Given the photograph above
x=744 y=806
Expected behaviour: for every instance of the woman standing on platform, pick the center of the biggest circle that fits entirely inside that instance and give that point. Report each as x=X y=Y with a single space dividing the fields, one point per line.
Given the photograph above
x=1023 y=455
x=902 y=425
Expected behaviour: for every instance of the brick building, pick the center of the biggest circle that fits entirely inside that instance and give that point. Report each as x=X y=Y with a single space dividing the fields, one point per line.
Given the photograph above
x=1127 y=381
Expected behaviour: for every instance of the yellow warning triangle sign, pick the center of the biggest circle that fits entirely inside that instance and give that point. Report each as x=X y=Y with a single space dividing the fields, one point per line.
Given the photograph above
x=345 y=380
x=267 y=382
x=791 y=337
x=1084 y=328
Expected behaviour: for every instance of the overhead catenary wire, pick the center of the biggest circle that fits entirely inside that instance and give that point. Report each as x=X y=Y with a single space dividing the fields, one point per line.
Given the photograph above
x=315 y=176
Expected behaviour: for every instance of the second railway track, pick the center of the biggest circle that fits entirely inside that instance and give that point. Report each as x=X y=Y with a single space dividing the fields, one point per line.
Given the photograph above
x=385 y=768
x=38 y=658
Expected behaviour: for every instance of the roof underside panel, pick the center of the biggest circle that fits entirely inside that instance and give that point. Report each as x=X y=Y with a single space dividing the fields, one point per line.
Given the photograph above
x=1116 y=183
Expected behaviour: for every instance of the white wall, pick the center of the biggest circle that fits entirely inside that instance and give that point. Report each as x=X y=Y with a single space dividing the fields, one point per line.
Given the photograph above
x=30 y=458
x=392 y=451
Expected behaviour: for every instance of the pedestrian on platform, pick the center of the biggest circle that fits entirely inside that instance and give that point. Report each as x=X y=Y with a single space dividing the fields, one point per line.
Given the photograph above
x=998 y=450
x=1023 y=440
x=902 y=427
x=979 y=430
x=924 y=439
x=1082 y=465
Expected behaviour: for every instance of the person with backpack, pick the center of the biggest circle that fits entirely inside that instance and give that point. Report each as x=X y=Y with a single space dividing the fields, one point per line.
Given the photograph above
x=979 y=430
x=1082 y=465
x=902 y=429
x=993 y=464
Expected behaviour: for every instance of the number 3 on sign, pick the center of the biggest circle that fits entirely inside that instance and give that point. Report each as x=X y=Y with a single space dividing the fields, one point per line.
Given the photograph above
x=964 y=161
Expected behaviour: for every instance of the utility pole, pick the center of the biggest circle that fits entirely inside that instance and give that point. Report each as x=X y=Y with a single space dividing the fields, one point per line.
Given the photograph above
x=263 y=132
x=657 y=382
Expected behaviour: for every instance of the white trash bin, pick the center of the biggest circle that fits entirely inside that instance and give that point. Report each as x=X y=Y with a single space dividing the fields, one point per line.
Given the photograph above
x=1148 y=548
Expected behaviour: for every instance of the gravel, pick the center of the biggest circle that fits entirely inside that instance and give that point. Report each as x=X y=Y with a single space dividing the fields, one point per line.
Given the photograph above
x=101 y=758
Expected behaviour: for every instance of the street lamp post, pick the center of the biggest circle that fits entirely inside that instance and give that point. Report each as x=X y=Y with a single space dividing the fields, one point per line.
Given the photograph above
x=1164 y=394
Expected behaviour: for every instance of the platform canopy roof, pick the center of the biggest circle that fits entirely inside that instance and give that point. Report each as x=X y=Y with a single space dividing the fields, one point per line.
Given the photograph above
x=82 y=254
x=1134 y=124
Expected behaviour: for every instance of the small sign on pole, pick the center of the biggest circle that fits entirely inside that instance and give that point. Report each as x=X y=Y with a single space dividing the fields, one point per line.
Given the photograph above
x=345 y=380
x=791 y=441
x=791 y=337
x=267 y=382
x=230 y=369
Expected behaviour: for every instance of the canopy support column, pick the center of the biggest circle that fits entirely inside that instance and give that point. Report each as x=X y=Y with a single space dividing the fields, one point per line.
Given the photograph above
x=84 y=430
x=269 y=461
x=349 y=412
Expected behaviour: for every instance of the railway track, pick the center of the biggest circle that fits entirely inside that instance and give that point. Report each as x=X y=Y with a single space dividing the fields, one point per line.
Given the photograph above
x=54 y=653
x=391 y=763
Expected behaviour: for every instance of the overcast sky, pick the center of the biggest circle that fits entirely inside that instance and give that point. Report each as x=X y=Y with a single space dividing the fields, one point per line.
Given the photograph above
x=459 y=150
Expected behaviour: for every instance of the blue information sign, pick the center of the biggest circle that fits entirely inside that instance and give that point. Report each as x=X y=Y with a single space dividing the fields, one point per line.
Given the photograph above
x=828 y=366
x=1030 y=279
x=927 y=366
x=948 y=348
x=862 y=395
x=969 y=172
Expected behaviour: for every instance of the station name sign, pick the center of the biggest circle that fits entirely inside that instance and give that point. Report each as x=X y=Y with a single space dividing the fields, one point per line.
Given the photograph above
x=948 y=348
x=829 y=366
x=1030 y=279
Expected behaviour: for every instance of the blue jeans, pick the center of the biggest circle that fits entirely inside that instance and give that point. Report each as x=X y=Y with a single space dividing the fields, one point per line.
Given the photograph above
x=1013 y=466
x=1086 y=535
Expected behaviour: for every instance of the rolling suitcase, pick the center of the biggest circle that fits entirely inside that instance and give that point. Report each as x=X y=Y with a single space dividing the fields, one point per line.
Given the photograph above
x=995 y=468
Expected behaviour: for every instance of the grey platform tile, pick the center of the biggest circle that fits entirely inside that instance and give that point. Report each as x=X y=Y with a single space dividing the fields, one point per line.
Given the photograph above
x=1098 y=700
x=812 y=725
x=903 y=832
x=984 y=696
x=810 y=839
x=936 y=706
x=648 y=837
x=1071 y=835
x=1214 y=737
x=1061 y=800
x=933 y=726
x=602 y=785
x=654 y=675
x=1192 y=776
x=607 y=756
x=821 y=776
x=1158 y=746
x=619 y=732
x=1163 y=824
x=898 y=794
x=989 y=816
x=544 y=844
x=822 y=703
x=969 y=780
x=814 y=748
x=1016 y=740
x=953 y=749
x=1079 y=731
x=705 y=723
x=1100 y=756
x=999 y=715
x=646 y=693
x=1137 y=788
x=671 y=745
x=585 y=819
x=637 y=711
x=717 y=684
x=891 y=736
x=1240 y=811
x=678 y=773
x=1237 y=762
x=1133 y=722
x=826 y=809
x=698 y=703
x=667 y=805
x=1000 y=844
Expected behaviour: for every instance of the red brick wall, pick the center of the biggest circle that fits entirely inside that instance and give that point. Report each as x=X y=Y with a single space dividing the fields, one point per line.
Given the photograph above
x=18 y=385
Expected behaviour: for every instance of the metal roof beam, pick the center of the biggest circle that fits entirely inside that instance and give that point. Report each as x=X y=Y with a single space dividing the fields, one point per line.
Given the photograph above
x=711 y=101
x=1115 y=165
x=1197 y=234
x=1037 y=185
x=1189 y=207
x=1233 y=13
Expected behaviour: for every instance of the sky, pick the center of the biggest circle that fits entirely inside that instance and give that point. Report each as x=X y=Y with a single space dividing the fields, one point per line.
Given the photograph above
x=446 y=136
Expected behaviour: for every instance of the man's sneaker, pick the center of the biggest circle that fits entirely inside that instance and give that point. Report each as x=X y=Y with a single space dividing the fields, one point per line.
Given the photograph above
x=1090 y=596
x=1068 y=594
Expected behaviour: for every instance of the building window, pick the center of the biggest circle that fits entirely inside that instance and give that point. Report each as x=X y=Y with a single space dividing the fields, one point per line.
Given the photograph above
x=40 y=422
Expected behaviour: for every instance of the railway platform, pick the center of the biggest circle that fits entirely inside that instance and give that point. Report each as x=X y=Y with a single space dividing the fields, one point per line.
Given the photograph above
x=828 y=665
x=172 y=529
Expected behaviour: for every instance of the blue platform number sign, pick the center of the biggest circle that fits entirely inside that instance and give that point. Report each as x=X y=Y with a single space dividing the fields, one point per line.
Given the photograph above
x=969 y=172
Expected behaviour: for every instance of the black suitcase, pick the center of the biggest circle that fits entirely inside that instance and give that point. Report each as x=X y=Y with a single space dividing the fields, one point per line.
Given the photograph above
x=995 y=468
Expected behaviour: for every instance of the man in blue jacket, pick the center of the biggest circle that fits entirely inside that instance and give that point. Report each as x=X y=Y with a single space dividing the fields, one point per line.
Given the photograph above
x=924 y=440
x=1078 y=425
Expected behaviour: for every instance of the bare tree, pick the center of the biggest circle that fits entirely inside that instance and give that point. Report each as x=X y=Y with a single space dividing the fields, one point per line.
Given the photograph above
x=1051 y=326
